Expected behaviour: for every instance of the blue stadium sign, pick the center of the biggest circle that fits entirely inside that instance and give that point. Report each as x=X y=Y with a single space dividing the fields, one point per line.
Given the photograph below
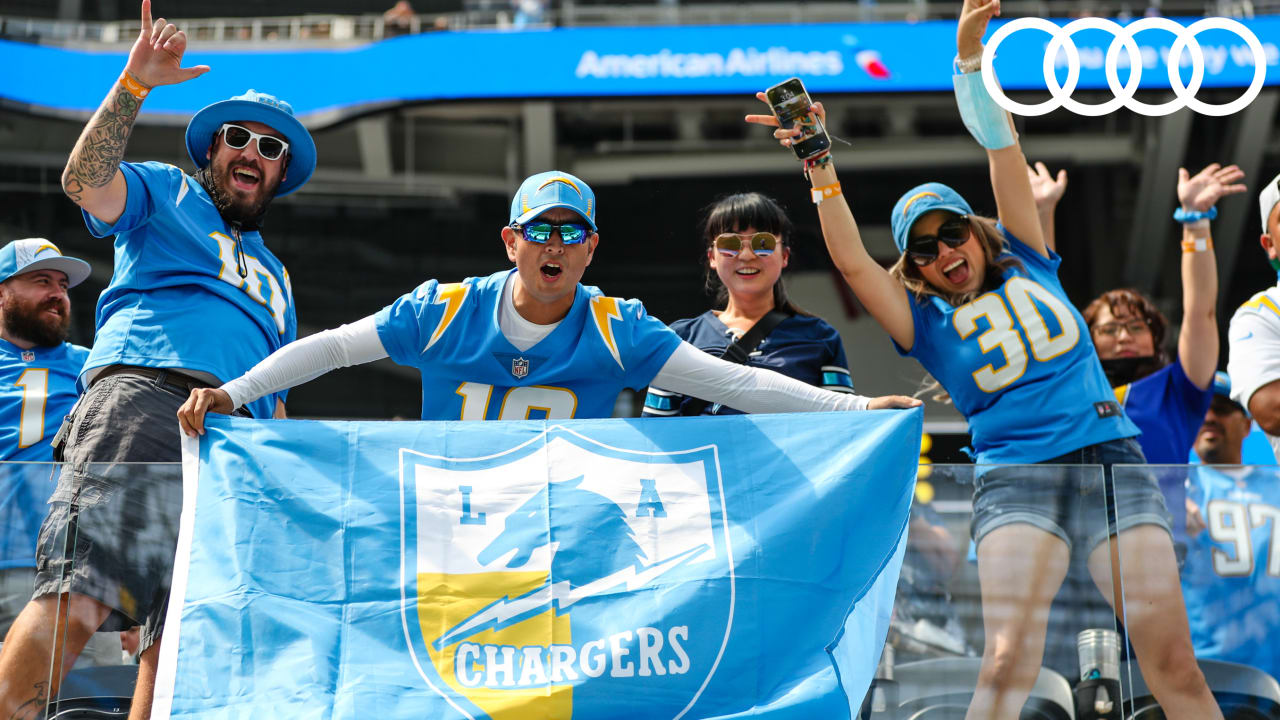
x=326 y=85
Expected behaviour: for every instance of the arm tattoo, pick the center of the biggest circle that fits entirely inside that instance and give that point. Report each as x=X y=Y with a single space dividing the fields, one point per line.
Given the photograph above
x=98 y=153
x=35 y=707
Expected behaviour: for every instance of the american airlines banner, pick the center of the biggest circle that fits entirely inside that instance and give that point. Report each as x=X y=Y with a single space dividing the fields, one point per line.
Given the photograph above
x=659 y=568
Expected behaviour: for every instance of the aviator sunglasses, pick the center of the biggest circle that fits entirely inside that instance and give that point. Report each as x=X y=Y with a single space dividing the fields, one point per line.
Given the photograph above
x=923 y=249
x=236 y=137
x=762 y=244
x=570 y=233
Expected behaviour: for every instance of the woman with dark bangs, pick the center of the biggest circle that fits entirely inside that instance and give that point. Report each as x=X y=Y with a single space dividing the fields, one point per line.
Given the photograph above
x=746 y=246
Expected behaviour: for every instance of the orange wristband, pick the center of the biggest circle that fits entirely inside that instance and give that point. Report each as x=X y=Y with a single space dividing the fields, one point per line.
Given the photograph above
x=1197 y=245
x=825 y=192
x=134 y=87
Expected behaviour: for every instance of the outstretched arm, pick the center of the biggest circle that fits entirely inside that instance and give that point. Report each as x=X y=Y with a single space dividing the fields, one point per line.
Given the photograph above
x=1198 y=339
x=291 y=365
x=689 y=371
x=92 y=178
x=1015 y=202
x=883 y=296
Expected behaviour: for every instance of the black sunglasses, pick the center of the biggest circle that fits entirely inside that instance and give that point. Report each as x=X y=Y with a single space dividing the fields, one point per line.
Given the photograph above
x=923 y=249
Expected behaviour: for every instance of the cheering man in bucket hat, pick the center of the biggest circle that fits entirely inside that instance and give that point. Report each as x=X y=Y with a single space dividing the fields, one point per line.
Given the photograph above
x=190 y=265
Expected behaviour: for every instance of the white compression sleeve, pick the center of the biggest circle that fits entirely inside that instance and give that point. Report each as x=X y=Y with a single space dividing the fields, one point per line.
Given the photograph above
x=689 y=371
x=307 y=359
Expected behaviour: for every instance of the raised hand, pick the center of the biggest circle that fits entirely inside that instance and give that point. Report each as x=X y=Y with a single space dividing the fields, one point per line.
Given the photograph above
x=974 y=16
x=1201 y=191
x=1047 y=190
x=784 y=136
x=156 y=57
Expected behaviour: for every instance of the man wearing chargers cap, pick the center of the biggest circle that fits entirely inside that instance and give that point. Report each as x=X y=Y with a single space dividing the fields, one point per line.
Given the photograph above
x=196 y=299
x=529 y=341
x=1254 y=335
x=38 y=373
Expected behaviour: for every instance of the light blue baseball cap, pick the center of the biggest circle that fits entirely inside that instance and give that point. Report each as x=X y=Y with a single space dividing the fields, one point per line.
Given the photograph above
x=1222 y=386
x=269 y=110
x=919 y=200
x=553 y=189
x=30 y=254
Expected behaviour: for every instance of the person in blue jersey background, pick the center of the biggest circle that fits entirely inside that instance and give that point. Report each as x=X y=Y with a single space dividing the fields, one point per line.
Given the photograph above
x=978 y=303
x=38 y=373
x=531 y=342
x=746 y=245
x=195 y=298
x=1232 y=575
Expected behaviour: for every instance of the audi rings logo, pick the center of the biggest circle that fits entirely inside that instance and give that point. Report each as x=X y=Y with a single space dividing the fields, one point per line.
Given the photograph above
x=1184 y=39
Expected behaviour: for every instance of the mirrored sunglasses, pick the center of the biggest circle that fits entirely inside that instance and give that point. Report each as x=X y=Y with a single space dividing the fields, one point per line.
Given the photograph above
x=236 y=137
x=923 y=249
x=570 y=233
x=762 y=244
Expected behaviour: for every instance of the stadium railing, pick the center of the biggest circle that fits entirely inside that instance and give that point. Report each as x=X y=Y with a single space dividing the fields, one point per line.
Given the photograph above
x=331 y=30
x=1227 y=538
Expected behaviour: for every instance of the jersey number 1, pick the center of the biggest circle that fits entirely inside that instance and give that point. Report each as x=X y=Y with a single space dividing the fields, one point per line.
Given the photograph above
x=35 y=392
x=518 y=402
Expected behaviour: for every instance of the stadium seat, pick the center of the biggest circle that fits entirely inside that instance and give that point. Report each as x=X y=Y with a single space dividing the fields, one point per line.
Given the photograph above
x=95 y=693
x=1244 y=692
x=941 y=690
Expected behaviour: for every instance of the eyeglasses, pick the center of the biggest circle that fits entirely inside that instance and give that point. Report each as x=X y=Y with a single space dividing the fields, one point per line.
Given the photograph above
x=570 y=233
x=762 y=243
x=1112 y=329
x=923 y=249
x=236 y=137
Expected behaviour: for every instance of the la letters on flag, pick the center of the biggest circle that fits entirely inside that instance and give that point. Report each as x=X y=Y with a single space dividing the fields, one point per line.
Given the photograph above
x=673 y=568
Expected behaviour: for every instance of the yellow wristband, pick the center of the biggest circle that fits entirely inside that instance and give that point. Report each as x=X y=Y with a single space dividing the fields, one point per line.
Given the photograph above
x=1197 y=245
x=825 y=192
x=134 y=87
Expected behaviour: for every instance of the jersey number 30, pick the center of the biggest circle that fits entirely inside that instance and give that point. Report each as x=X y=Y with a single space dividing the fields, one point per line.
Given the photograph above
x=518 y=403
x=1023 y=295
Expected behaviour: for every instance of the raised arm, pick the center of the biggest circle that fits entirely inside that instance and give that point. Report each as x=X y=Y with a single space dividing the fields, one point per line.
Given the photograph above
x=1198 y=339
x=1048 y=191
x=883 y=296
x=291 y=365
x=92 y=178
x=1015 y=203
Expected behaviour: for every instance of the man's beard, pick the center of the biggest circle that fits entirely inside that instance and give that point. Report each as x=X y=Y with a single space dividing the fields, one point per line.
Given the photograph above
x=247 y=213
x=30 y=324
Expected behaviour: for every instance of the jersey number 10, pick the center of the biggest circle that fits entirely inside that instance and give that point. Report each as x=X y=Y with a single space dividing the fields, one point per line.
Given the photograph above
x=518 y=403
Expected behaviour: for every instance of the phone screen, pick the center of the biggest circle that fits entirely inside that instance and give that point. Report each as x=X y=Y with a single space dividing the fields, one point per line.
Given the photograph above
x=792 y=106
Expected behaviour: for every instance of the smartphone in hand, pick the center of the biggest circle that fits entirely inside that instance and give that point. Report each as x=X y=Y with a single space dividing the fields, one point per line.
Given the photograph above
x=792 y=106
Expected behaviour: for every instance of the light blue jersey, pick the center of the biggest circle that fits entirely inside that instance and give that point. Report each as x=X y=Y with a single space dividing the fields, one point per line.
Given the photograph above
x=470 y=371
x=1231 y=581
x=1019 y=364
x=185 y=294
x=37 y=389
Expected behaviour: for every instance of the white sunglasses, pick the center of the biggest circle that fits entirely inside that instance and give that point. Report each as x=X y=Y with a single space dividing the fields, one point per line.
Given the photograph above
x=237 y=137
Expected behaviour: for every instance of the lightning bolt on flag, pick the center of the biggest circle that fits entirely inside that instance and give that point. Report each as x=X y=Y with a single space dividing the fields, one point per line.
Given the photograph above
x=675 y=568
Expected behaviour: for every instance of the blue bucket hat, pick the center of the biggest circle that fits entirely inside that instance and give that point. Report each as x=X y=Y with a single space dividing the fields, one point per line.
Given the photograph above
x=554 y=189
x=254 y=106
x=919 y=200
x=31 y=254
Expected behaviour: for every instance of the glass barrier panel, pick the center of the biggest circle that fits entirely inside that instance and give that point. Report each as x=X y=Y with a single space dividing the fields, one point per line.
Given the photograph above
x=1023 y=594
x=109 y=538
x=1223 y=547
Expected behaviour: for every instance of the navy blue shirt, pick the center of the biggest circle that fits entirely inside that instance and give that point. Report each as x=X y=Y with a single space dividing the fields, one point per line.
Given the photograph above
x=802 y=347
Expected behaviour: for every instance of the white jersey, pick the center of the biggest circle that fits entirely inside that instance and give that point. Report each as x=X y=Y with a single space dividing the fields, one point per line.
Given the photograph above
x=1254 y=358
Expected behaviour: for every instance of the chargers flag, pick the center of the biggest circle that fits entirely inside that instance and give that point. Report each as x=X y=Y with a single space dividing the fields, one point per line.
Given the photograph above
x=711 y=567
